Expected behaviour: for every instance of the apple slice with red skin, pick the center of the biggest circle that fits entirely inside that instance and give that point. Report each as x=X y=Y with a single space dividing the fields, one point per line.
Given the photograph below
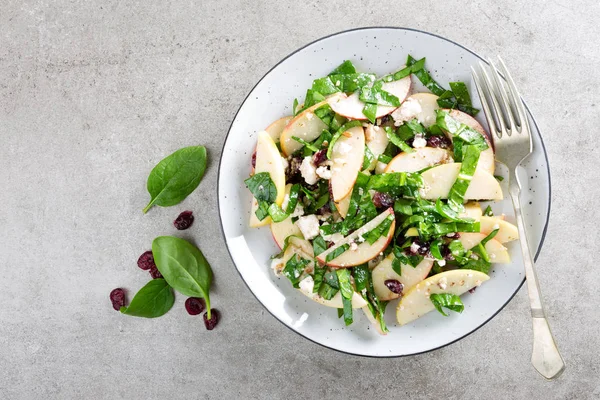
x=347 y=158
x=276 y=128
x=364 y=251
x=352 y=107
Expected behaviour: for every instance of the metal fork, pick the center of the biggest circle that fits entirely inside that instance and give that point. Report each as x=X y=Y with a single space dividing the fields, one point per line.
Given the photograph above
x=509 y=126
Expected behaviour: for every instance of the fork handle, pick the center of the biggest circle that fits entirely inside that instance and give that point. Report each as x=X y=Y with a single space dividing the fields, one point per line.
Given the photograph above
x=545 y=358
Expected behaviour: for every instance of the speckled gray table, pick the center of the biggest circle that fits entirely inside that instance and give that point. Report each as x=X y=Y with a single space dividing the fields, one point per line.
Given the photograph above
x=92 y=94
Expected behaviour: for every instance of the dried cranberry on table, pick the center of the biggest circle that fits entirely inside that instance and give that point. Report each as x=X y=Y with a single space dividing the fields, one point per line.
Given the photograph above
x=117 y=297
x=184 y=220
x=213 y=321
x=394 y=286
x=155 y=273
x=383 y=200
x=194 y=305
x=438 y=141
x=146 y=261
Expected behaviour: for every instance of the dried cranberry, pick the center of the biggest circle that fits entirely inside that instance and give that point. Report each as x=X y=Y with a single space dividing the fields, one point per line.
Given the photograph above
x=410 y=141
x=194 y=305
x=117 y=297
x=385 y=119
x=155 y=273
x=254 y=159
x=438 y=141
x=472 y=290
x=394 y=286
x=319 y=157
x=324 y=210
x=184 y=220
x=213 y=321
x=423 y=248
x=293 y=168
x=447 y=253
x=383 y=200
x=146 y=261
x=454 y=235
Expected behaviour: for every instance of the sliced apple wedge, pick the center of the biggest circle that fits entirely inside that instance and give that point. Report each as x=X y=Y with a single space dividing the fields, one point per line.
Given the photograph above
x=438 y=181
x=301 y=247
x=421 y=106
x=487 y=160
x=409 y=278
x=472 y=210
x=347 y=157
x=306 y=288
x=274 y=130
x=351 y=106
x=281 y=230
x=416 y=303
x=305 y=125
x=268 y=160
x=374 y=321
x=343 y=205
x=419 y=159
x=377 y=141
x=497 y=252
x=507 y=232
x=364 y=251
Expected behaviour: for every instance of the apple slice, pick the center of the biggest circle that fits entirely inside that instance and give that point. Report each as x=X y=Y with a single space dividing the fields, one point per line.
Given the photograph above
x=438 y=181
x=416 y=303
x=305 y=125
x=472 y=210
x=421 y=106
x=497 y=252
x=507 y=232
x=347 y=157
x=409 y=278
x=343 y=205
x=377 y=141
x=301 y=247
x=306 y=288
x=487 y=161
x=419 y=159
x=351 y=106
x=274 y=130
x=374 y=321
x=268 y=160
x=365 y=251
x=281 y=230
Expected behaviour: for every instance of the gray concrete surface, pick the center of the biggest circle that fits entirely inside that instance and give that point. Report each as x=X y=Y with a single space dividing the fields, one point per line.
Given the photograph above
x=93 y=93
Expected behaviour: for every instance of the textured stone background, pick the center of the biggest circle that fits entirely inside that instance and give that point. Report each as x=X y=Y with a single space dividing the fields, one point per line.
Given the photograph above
x=93 y=93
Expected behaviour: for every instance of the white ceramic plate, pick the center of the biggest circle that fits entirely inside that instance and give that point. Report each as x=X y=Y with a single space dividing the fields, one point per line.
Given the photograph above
x=378 y=50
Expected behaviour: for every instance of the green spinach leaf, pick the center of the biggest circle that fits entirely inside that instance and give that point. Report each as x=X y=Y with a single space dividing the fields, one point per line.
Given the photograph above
x=446 y=300
x=151 y=301
x=184 y=267
x=176 y=177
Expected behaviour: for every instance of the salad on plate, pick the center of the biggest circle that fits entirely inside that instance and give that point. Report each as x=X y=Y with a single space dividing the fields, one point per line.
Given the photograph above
x=371 y=191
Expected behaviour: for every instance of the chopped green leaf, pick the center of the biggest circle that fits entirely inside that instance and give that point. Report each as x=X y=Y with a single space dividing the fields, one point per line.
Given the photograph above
x=319 y=245
x=368 y=159
x=305 y=143
x=294 y=268
x=344 y=68
x=445 y=300
x=467 y=169
x=488 y=212
x=318 y=277
x=361 y=277
x=276 y=213
x=370 y=111
x=337 y=252
x=262 y=187
x=395 y=139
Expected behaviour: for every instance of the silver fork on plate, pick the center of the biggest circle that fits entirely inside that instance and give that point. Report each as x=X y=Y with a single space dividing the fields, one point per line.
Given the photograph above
x=509 y=127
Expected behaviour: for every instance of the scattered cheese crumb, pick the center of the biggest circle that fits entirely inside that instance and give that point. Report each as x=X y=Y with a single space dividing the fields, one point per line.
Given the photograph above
x=496 y=227
x=443 y=283
x=414 y=248
x=298 y=211
x=441 y=263
x=419 y=142
x=309 y=171
x=285 y=162
x=407 y=111
x=309 y=226
x=353 y=246
x=324 y=172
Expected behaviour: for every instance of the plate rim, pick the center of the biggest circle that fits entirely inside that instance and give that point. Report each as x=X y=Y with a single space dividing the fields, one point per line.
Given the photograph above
x=544 y=231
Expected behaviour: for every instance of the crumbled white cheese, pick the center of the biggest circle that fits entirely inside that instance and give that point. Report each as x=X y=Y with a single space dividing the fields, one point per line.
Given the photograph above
x=360 y=239
x=419 y=142
x=407 y=111
x=353 y=246
x=298 y=211
x=443 y=283
x=324 y=216
x=441 y=263
x=307 y=284
x=277 y=265
x=309 y=171
x=334 y=237
x=309 y=226
x=414 y=248
x=496 y=227
x=343 y=147
x=324 y=172
x=309 y=116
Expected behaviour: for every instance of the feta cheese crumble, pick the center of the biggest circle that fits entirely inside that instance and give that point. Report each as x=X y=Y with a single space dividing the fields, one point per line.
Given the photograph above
x=419 y=142
x=309 y=226
x=414 y=248
x=353 y=246
x=324 y=172
x=309 y=171
x=407 y=111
